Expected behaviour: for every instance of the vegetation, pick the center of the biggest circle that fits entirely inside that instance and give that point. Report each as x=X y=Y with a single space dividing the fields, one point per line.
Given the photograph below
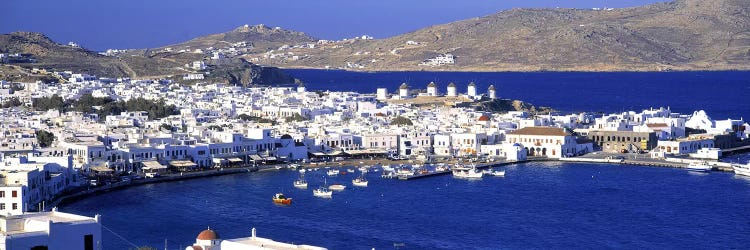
x=105 y=106
x=295 y=118
x=47 y=103
x=166 y=127
x=44 y=138
x=12 y=102
x=249 y=118
x=216 y=127
x=400 y=120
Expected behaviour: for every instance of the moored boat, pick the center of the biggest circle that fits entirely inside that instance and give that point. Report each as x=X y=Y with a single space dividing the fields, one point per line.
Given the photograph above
x=279 y=198
x=741 y=169
x=301 y=183
x=699 y=166
x=337 y=187
x=333 y=172
x=322 y=192
x=360 y=181
x=469 y=172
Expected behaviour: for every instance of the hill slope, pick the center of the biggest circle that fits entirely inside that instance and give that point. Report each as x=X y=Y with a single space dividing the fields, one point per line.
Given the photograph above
x=681 y=35
x=135 y=63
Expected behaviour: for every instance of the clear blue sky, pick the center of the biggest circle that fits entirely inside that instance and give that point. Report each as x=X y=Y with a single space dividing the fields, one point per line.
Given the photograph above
x=102 y=24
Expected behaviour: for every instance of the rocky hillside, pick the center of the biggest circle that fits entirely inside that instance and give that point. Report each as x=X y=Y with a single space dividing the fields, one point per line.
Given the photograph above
x=261 y=37
x=678 y=35
x=134 y=63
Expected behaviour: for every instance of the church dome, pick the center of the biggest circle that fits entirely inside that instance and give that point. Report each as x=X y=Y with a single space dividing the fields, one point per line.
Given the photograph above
x=286 y=136
x=208 y=234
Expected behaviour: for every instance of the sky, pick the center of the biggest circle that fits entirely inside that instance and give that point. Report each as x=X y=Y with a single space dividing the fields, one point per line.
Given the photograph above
x=124 y=24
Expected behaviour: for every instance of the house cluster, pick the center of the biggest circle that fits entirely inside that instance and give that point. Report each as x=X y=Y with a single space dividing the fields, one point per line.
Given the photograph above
x=219 y=125
x=439 y=60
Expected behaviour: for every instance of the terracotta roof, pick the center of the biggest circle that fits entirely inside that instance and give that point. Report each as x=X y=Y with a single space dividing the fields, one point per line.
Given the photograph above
x=540 y=131
x=197 y=248
x=208 y=234
x=656 y=125
x=484 y=118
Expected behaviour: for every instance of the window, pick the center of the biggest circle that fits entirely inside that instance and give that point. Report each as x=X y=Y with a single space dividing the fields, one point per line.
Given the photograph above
x=15 y=206
x=14 y=194
x=2 y=194
x=2 y=206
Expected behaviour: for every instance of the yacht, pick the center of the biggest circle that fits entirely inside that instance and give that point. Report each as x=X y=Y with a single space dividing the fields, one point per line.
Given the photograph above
x=360 y=181
x=741 y=169
x=699 y=166
x=470 y=172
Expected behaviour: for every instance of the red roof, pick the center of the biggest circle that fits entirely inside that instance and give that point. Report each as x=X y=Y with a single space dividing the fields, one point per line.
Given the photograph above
x=208 y=234
x=484 y=118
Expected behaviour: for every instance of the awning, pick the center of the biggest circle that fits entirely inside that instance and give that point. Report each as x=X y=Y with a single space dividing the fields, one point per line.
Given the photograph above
x=218 y=160
x=318 y=154
x=335 y=153
x=182 y=164
x=270 y=158
x=101 y=169
x=153 y=165
x=234 y=160
x=256 y=158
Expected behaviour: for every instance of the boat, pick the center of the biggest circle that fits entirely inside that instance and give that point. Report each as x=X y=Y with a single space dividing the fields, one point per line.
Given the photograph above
x=363 y=169
x=337 y=187
x=360 y=181
x=741 y=169
x=302 y=171
x=301 y=183
x=699 y=166
x=498 y=173
x=441 y=168
x=406 y=171
x=387 y=168
x=279 y=198
x=333 y=172
x=322 y=192
x=294 y=166
x=469 y=172
x=350 y=170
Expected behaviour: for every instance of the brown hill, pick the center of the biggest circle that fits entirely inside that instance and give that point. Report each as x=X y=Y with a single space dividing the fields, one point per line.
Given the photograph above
x=679 y=35
x=261 y=37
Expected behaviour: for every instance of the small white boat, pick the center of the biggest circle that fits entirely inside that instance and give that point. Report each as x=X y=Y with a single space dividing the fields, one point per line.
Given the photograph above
x=360 y=181
x=337 y=187
x=741 y=169
x=699 y=166
x=387 y=168
x=322 y=192
x=302 y=171
x=350 y=170
x=498 y=173
x=333 y=172
x=363 y=169
x=469 y=172
x=301 y=183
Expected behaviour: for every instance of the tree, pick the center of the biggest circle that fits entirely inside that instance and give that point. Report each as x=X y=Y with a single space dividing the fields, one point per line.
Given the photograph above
x=400 y=120
x=166 y=127
x=296 y=118
x=47 y=103
x=44 y=138
x=12 y=102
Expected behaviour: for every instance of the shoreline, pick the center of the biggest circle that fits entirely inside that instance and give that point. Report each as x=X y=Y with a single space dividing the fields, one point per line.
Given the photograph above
x=512 y=71
x=72 y=197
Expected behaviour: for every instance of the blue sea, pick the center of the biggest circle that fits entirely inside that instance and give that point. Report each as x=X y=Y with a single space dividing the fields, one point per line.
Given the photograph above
x=536 y=206
x=722 y=94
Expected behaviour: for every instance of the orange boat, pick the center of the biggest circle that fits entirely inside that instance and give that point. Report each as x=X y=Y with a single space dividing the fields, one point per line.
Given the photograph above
x=281 y=199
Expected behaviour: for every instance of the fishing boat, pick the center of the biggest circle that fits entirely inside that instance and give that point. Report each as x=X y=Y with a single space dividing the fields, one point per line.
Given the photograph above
x=498 y=173
x=350 y=170
x=300 y=183
x=469 y=172
x=741 y=169
x=322 y=192
x=279 y=198
x=302 y=171
x=333 y=172
x=360 y=181
x=337 y=187
x=699 y=166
